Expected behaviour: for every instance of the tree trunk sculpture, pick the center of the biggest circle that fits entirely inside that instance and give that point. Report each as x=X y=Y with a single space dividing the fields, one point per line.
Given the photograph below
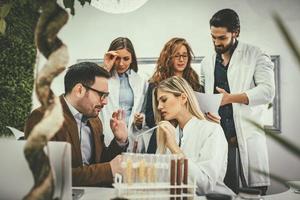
x=51 y=20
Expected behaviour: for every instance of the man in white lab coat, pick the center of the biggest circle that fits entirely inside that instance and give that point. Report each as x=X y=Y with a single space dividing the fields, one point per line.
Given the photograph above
x=245 y=77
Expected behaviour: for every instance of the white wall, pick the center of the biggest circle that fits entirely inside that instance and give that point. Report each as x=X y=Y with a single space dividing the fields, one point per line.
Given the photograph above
x=89 y=33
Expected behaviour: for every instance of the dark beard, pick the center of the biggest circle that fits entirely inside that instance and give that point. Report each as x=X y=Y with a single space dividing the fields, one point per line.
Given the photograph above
x=222 y=49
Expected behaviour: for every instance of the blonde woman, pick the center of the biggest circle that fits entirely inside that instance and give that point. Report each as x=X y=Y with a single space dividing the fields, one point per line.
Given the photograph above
x=201 y=141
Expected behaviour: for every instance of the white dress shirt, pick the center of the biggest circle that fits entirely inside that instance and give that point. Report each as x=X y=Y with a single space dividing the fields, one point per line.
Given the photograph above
x=84 y=135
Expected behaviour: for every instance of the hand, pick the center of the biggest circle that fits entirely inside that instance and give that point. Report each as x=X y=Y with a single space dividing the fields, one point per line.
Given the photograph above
x=225 y=98
x=109 y=60
x=138 y=120
x=233 y=98
x=115 y=165
x=169 y=133
x=118 y=126
x=213 y=117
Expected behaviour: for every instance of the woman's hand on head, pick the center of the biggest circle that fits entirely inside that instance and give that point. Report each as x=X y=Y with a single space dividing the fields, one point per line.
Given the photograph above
x=109 y=60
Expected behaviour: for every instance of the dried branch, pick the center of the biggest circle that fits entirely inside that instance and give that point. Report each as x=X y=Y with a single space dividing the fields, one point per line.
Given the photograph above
x=51 y=20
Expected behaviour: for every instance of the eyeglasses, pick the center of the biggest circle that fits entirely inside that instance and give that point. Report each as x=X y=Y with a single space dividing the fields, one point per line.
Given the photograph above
x=183 y=56
x=101 y=94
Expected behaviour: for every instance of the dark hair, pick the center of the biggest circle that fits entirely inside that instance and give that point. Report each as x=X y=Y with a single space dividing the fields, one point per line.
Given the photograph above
x=125 y=43
x=227 y=18
x=84 y=73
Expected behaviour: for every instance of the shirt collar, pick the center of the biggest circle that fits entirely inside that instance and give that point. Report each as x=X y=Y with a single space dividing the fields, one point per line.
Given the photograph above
x=125 y=74
x=76 y=114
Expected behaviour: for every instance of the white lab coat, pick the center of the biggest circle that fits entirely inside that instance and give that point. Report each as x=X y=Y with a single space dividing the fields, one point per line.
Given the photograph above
x=139 y=88
x=250 y=71
x=205 y=145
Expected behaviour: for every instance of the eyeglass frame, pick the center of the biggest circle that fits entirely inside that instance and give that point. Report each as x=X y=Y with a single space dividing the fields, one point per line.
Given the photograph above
x=183 y=56
x=101 y=94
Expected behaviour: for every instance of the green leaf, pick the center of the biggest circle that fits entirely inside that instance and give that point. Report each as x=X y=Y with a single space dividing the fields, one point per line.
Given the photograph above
x=287 y=36
x=288 y=145
x=4 y=9
x=278 y=179
x=2 y=26
x=70 y=4
x=82 y=2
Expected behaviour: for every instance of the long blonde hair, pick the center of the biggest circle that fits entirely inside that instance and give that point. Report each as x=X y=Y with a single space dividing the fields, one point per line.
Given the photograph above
x=177 y=86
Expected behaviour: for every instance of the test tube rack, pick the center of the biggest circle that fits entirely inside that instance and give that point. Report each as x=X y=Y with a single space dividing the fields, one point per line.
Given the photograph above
x=159 y=190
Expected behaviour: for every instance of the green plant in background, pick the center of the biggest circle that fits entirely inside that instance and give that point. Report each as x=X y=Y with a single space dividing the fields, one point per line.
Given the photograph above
x=5 y=7
x=17 y=59
x=18 y=19
x=285 y=143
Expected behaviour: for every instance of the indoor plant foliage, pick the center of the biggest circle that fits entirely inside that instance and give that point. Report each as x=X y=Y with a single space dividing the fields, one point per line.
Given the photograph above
x=17 y=58
x=285 y=143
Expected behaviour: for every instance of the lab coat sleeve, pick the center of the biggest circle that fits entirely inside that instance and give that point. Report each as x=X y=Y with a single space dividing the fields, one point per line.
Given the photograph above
x=211 y=162
x=264 y=90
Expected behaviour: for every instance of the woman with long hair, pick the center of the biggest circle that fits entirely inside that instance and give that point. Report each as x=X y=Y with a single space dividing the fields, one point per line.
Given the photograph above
x=184 y=130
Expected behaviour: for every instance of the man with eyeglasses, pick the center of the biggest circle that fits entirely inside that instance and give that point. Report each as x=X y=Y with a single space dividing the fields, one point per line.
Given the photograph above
x=244 y=75
x=86 y=89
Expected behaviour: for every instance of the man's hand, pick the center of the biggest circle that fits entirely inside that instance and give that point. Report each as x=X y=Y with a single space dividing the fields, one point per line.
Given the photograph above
x=115 y=165
x=118 y=126
x=232 y=98
x=138 y=120
x=225 y=98
x=109 y=60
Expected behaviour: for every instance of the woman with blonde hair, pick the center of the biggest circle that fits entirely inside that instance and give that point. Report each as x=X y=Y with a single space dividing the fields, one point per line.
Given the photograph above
x=184 y=130
x=174 y=60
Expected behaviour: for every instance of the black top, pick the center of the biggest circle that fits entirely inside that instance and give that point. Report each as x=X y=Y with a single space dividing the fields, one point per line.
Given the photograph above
x=221 y=81
x=150 y=121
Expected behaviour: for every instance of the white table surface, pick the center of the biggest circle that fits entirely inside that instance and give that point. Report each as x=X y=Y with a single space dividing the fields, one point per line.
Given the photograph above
x=93 y=193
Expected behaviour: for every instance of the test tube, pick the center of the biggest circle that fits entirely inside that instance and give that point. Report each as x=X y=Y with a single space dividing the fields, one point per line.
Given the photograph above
x=185 y=176
x=172 y=177
x=129 y=170
x=166 y=166
x=178 y=177
x=153 y=169
x=135 y=145
x=159 y=166
x=141 y=169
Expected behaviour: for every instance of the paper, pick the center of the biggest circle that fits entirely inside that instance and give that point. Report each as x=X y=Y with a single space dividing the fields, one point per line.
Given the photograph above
x=209 y=102
x=18 y=134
